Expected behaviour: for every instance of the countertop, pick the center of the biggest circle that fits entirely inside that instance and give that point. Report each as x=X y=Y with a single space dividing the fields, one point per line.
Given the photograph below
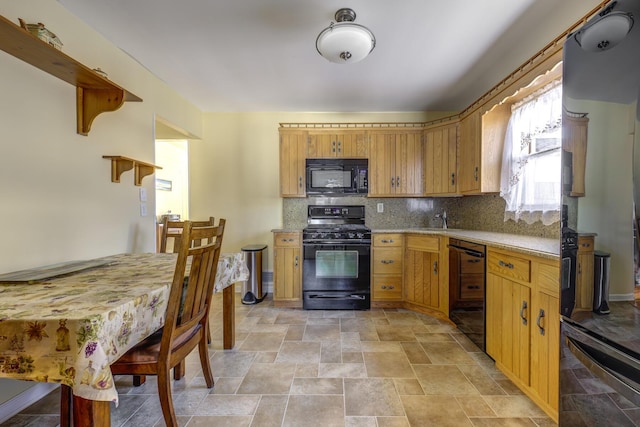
x=529 y=245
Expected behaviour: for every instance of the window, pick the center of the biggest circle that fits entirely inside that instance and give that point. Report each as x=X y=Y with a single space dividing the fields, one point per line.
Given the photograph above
x=530 y=179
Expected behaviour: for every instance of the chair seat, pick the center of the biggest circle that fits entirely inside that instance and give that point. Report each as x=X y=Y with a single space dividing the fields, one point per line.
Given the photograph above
x=148 y=350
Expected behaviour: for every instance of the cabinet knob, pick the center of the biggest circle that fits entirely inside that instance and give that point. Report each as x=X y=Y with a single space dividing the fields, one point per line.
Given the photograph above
x=435 y=267
x=392 y=182
x=387 y=261
x=453 y=178
x=398 y=181
x=300 y=181
x=386 y=241
x=475 y=173
x=296 y=262
x=505 y=264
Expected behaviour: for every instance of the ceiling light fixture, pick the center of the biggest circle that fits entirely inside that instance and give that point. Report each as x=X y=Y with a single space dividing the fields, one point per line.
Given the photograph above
x=606 y=32
x=344 y=41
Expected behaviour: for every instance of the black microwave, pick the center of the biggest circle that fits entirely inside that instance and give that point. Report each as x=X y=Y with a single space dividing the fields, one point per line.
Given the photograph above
x=337 y=177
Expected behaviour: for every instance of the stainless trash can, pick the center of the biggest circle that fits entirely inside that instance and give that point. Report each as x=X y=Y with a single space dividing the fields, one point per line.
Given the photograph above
x=602 y=261
x=252 y=287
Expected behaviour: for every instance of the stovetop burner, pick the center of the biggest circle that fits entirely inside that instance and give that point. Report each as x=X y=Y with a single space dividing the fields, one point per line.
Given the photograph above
x=336 y=224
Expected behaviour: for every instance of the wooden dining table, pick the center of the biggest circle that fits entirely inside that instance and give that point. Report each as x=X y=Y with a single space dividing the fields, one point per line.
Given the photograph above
x=68 y=329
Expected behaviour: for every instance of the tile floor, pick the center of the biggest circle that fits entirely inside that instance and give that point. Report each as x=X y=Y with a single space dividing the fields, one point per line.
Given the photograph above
x=296 y=368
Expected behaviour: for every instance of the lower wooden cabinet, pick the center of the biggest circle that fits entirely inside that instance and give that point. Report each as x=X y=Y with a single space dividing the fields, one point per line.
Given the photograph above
x=585 y=272
x=424 y=283
x=287 y=272
x=387 y=254
x=523 y=323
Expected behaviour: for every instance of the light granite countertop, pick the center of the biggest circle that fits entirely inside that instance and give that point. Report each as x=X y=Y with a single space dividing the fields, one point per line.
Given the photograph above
x=529 y=245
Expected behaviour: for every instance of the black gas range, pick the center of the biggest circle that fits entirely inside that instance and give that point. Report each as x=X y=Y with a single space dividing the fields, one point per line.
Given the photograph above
x=337 y=258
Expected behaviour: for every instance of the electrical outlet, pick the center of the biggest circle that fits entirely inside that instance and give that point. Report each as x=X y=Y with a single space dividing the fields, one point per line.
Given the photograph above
x=380 y=207
x=143 y=209
x=143 y=194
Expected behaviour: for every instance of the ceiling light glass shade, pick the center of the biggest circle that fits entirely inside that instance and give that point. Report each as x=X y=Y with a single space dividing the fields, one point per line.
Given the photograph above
x=345 y=42
x=605 y=33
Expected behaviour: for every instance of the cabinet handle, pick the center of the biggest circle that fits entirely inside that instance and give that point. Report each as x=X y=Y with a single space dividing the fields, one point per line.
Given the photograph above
x=334 y=146
x=453 y=178
x=300 y=181
x=540 y=316
x=505 y=264
x=386 y=241
x=393 y=183
x=388 y=287
x=435 y=267
x=287 y=240
x=475 y=173
x=473 y=287
x=296 y=262
x=387 y=261
x=522 y=309
x=473 y=261
x=398 y=181
x=339 y=147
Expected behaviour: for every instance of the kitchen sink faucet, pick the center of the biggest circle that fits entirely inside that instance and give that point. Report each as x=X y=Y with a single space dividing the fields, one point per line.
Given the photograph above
x=443 y=217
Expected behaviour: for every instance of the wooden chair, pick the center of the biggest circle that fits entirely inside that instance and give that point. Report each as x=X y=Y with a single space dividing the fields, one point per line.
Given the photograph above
x=187 y=316
x=172 y=232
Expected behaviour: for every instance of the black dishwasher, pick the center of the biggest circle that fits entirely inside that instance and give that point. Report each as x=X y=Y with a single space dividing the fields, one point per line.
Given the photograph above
x=467 y=288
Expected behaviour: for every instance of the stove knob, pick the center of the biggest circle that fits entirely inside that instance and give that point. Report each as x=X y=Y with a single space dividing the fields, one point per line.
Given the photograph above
x=352 y=235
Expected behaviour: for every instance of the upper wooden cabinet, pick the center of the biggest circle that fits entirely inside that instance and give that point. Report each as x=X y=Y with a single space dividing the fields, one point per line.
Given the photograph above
x=293 y=144
x=95 y=94
x=342 y=143
x=574 y=143
x=441 y=157
x=480 y=150
x=396 y=162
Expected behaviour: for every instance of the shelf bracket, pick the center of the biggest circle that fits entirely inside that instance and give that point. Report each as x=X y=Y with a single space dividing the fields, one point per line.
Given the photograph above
x=120 y=164
x=91 y=102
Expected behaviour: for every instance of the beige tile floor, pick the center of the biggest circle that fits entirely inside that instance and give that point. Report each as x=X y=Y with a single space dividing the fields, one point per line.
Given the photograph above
x=296 y=368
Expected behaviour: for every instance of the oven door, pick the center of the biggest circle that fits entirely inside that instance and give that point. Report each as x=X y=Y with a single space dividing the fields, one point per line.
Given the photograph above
x=336 y=276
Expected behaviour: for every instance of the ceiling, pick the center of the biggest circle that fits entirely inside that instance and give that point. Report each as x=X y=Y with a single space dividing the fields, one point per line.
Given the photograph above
x=259 y=55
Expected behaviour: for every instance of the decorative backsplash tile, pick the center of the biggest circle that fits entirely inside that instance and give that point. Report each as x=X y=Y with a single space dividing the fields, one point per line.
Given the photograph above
x=470 y=213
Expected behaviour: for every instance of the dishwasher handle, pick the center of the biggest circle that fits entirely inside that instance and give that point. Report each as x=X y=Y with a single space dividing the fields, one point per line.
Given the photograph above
x=470 y=252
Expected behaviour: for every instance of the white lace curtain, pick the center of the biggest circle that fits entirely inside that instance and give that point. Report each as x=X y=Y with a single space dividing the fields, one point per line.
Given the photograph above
x=530 y=179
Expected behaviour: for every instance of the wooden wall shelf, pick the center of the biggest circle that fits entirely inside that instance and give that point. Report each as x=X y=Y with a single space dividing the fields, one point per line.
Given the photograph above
x=120 y=164
x=94 y=94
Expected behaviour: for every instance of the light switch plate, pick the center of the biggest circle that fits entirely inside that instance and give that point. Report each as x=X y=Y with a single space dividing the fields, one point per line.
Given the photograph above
x=143 y=209
x=143 y=194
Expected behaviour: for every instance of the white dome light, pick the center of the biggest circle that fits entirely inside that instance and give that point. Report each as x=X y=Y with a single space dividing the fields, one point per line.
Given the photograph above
x=345 y=42
x=605 y=33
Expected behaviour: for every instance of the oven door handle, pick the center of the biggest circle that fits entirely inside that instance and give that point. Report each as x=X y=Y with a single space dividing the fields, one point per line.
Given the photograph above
x=467 y=251
x=325 y=296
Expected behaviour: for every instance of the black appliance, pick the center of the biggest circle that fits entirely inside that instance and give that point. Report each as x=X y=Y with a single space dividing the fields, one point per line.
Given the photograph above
x=467 y=267
x=336 y=259
x=337 y=177
x=569 y=254
x=600 y=348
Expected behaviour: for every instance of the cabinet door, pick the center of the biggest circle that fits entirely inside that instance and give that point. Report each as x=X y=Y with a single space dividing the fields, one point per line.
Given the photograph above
x=545 y=348
x=574 y=140
x=422 y=281
x=508 y=308
x=287 y=274
x=346 y=144
x=409 y=155
x=469 y=154
x=584 y=281
x=441 y=160
x=382 y=164
x=292 y=163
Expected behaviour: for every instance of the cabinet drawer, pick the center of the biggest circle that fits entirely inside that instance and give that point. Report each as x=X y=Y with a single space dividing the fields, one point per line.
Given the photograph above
x=287 y=239
x=387 y=287
x=391 y=239
x=423 y=243
x=509 y=266
x=585 y=244
x=472 y=286
x=471 y=264
x=387 y=261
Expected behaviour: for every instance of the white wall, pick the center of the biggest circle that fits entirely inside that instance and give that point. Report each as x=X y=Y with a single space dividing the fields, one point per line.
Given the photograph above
x=607 y=207
x=57 y=200
x=234 y=170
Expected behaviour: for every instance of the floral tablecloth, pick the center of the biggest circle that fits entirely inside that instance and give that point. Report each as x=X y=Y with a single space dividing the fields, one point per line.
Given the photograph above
x=69 y=329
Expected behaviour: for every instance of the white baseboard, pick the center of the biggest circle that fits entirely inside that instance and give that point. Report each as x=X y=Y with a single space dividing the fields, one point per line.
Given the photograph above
x=621 y=297
x=16 y=404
